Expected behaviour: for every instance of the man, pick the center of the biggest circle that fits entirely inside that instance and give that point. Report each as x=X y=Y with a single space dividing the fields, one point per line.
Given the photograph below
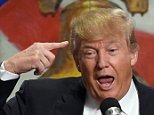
x=105 y=53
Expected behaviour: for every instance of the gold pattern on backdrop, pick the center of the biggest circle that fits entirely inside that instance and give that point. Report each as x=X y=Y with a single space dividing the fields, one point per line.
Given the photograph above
x=137 y=6
x=133 y=6
x=49 y=6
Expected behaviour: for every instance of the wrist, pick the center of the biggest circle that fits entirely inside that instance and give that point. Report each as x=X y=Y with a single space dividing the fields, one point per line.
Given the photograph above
x=6 y=75
x=9 y=66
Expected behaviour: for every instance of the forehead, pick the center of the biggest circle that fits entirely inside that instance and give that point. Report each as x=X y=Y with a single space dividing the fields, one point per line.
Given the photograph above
x=104 y=41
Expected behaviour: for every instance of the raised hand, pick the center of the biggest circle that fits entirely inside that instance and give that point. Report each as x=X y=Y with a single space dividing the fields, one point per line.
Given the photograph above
x=38 y=56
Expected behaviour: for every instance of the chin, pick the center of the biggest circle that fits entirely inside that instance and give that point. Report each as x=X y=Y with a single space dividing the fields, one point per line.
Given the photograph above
x=109 y=94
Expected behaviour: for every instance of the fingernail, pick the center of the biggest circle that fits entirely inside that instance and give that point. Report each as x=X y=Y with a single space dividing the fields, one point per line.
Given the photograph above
x=66 y=42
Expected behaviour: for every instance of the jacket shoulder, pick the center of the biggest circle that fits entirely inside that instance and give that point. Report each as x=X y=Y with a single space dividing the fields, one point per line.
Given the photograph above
x=146 y=94
x=49 y=87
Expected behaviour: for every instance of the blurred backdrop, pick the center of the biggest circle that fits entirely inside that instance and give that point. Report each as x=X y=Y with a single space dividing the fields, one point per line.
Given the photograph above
x=23 y=22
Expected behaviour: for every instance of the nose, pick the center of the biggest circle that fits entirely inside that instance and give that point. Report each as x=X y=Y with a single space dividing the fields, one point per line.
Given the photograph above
x=102 y=61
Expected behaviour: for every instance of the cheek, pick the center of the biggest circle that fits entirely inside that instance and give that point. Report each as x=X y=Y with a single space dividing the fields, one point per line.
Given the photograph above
x=87 y=66
x=122 y=66
x=124 y=73
x=88 y=70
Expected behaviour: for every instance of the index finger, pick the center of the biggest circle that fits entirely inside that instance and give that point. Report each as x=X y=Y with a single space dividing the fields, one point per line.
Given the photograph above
x=51 y=46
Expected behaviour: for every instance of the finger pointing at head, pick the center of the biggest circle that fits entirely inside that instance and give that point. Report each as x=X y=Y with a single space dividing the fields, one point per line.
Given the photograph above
x=51 y=46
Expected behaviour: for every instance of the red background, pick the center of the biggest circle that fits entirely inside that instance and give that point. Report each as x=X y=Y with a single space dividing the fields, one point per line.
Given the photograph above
x=22 y=22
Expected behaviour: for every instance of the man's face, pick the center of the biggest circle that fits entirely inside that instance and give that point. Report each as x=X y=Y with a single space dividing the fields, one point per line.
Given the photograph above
x=106 y=66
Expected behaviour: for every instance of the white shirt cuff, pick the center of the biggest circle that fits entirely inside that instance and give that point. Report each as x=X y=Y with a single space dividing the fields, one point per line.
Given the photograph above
x=6 y=75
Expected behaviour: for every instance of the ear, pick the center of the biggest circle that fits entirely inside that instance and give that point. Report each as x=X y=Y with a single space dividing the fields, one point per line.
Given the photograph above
x=134 y=57
x=77 y=60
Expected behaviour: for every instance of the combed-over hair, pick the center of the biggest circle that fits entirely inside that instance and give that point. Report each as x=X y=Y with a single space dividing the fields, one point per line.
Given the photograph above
x=102 y=22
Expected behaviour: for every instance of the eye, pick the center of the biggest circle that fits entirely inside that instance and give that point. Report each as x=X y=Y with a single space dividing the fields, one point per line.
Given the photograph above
x=89 y=53
x=112 y=51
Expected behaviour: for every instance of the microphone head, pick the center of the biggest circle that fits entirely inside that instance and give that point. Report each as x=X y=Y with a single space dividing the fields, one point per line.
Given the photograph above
x=108 y=103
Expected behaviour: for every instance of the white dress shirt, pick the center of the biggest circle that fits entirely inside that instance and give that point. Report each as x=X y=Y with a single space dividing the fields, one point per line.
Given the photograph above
x=6 y=75
x=129 y=103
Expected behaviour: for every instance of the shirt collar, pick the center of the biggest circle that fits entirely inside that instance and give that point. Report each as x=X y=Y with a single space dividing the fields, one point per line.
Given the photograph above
x=130 y=101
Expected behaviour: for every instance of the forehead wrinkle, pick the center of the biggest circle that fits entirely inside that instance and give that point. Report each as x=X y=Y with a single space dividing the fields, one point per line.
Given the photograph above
x=90 y=46
x=95 y=45
x=101 y=43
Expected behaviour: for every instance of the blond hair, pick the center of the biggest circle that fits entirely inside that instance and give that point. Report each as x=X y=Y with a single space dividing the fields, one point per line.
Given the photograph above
x=103 y=21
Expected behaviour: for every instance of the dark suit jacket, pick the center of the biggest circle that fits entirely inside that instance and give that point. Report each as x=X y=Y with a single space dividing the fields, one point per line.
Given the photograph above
x=6 y=88
x=62 y=97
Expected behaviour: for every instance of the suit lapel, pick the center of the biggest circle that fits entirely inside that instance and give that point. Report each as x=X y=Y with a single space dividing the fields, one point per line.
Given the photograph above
x=141 y=97
x=145 y=106
x=71 y=103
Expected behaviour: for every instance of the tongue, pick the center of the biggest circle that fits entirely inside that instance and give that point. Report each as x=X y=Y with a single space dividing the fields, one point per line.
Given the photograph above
x=105 y=83
x=105 y=80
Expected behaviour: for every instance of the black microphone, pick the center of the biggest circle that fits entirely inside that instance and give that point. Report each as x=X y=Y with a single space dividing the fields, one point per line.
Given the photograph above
x=111 y=106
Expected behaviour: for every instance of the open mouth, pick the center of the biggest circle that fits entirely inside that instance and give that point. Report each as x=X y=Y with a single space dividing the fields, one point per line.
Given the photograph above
x=105 y=82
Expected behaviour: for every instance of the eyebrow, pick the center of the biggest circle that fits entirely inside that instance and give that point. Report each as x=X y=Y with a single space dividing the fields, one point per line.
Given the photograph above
x=88 y=47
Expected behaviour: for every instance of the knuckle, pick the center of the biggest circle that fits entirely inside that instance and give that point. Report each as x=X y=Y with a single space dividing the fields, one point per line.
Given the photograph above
x=52 y=59
x=35 y=59
x=41 y=69
x=37 y=52
x=36 y=45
